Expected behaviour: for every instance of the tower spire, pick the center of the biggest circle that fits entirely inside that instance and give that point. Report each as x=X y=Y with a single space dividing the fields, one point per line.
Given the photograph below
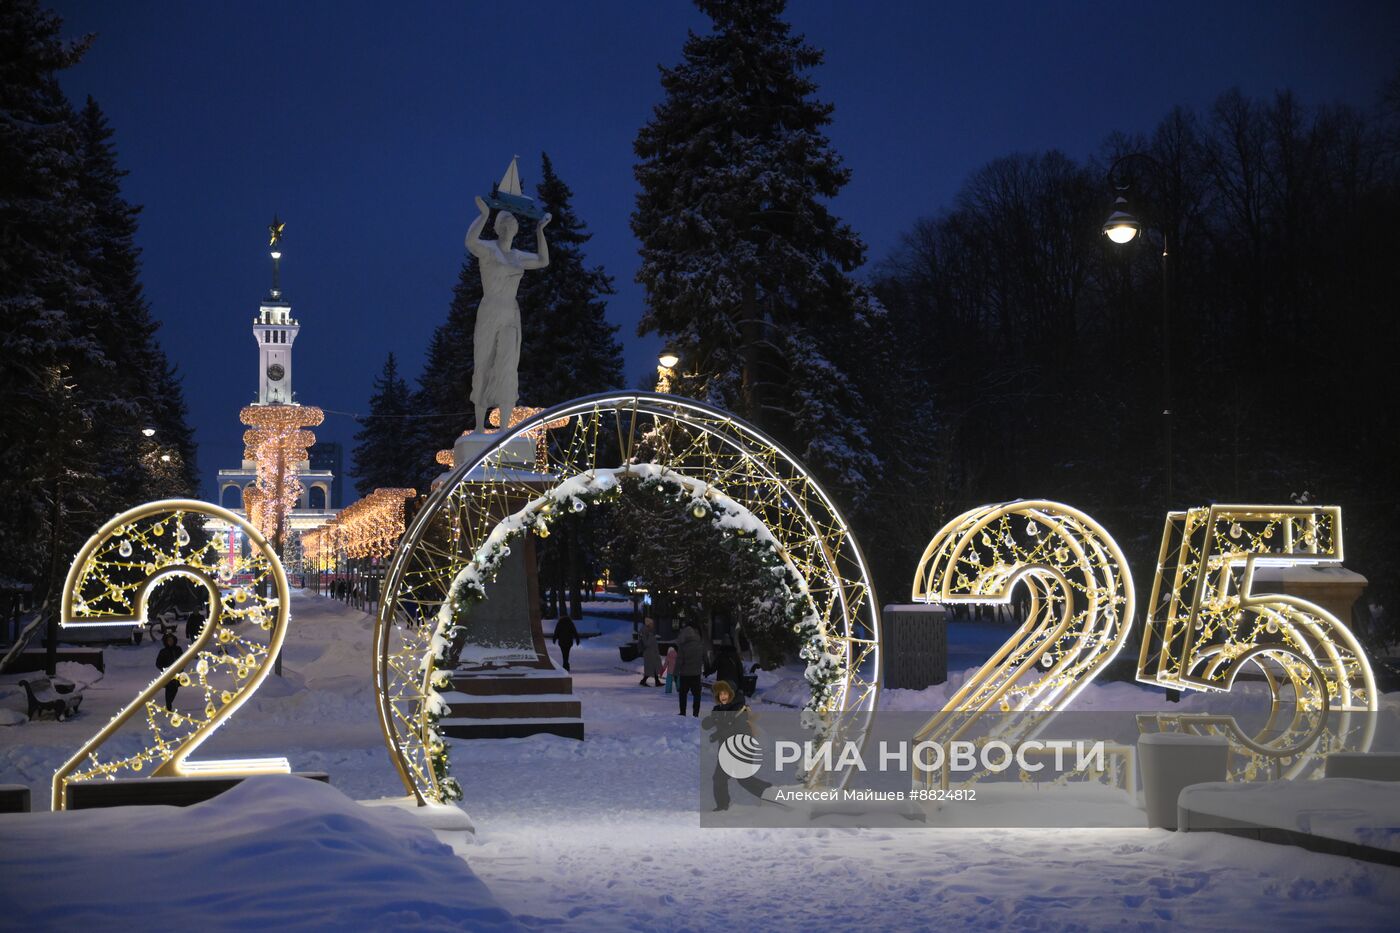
x=274 y=241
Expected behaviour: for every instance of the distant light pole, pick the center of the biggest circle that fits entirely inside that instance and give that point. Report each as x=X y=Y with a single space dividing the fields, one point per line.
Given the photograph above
x=666 y=364
x=1122 y=227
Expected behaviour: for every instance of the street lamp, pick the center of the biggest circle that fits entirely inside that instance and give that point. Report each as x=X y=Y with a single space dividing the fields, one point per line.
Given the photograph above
x=148 y=431
x=666 y=364
x=1122 y=227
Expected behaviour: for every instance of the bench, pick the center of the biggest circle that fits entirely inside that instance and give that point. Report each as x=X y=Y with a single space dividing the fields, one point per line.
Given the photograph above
x=44 y=696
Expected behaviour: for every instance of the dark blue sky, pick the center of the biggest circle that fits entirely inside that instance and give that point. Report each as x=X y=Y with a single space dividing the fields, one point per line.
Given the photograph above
x=369 y=127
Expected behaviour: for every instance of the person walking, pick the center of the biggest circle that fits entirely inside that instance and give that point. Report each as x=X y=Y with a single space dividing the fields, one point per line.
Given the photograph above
x=731 y=716
x=668 y=668
x=690 y=662
x=565 y=636
x=169 y=651
x=651 y=652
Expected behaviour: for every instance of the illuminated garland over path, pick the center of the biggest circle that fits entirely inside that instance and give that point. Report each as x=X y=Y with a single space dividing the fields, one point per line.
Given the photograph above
x=110 y=582
x=1207 y=624
x=368 y=528
x=687 y=449
x=276 y=441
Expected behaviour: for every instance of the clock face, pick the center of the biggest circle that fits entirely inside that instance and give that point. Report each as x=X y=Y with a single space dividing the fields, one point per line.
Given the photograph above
x=275 y=372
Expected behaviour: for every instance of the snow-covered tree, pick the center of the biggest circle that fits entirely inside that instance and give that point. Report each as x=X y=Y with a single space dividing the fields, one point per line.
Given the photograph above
x=44 y=297
x=747 y=271
x=82 y=372
x=385 y=441
x=568 y=348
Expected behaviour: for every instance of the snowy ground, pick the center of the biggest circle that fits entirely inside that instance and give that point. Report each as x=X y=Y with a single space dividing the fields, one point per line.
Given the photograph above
x=604 y=834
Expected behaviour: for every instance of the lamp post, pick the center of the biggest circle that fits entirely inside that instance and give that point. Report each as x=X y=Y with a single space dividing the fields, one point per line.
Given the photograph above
x=666 y=363
x=1122 y=226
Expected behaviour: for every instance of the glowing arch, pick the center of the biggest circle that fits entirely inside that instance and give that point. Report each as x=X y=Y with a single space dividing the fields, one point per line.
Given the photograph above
x=712 y=454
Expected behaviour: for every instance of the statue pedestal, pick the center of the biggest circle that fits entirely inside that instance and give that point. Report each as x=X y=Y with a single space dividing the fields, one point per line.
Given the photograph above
x=520 y=452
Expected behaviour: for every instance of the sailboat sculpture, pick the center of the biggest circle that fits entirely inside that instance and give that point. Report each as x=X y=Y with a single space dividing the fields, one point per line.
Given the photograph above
x=506 y=196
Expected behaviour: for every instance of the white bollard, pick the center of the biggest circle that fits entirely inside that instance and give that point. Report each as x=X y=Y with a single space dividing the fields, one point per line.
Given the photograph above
x=1172 y=761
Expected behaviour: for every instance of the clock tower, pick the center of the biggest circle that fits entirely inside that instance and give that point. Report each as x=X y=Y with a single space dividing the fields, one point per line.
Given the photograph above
x=275 y=330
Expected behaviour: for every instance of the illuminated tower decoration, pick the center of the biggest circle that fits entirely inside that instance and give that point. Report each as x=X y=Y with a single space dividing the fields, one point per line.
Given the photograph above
x=275 y=330
x=275 y=486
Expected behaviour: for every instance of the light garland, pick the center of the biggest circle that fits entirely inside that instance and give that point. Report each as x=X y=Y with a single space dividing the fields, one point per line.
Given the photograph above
x=368 y=528
x=277 y=442
x=1207 y=624
x=109 y=583
x=1080 y=609
x=697 y=447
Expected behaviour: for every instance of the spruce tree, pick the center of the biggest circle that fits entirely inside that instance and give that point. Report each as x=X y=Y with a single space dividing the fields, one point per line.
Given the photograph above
x=568 y=348
x=442 y=401
x=46 y=302
x=143 y=389
x=384 y=442
x=746 y=270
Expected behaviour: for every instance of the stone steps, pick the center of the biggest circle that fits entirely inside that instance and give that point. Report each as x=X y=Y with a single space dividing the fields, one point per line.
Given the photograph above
x=508 y=703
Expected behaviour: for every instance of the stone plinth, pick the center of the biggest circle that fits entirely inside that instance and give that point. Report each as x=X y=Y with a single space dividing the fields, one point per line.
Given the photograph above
x=520 y=452
x=1335 y=589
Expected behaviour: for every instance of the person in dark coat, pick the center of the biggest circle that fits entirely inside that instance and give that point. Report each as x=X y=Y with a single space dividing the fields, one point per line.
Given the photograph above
x=565 y=636
x=651 y=653
x=194 y=625
x=690 y=662
x=169 y=652
x=731 y=716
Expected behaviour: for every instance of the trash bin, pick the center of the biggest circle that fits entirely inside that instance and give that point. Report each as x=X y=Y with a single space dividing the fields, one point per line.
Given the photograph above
x=1172 y=761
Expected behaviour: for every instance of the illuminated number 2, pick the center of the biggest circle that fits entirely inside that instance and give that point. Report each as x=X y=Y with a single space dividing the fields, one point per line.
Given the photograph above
x=109 y=584
x=1080 y=606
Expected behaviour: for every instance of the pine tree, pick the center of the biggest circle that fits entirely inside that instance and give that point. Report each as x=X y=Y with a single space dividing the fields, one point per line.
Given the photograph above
x=568 y=348
x=746 y=270
x=386 y=437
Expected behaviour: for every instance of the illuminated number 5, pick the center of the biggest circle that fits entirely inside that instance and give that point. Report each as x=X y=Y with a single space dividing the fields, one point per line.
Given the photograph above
x=1206 y=624
x=109 y=584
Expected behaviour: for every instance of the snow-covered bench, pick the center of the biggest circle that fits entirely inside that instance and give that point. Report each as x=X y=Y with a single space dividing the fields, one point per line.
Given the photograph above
x=44 y=697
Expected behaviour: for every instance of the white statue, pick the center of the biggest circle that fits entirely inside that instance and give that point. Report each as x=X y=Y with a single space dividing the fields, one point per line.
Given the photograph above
x=496 y=338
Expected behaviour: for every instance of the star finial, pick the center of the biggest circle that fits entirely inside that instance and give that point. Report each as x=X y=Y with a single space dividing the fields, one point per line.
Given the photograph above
x=274 y=231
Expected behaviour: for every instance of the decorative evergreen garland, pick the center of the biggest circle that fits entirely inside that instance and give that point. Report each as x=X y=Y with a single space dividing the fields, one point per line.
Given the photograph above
x=577 y=493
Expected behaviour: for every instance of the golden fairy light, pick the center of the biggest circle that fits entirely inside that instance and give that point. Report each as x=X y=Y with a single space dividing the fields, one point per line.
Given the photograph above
x=697 y=447
x=1207 y=624
x=277 y=442
x=1079 y=608
x=109 y=584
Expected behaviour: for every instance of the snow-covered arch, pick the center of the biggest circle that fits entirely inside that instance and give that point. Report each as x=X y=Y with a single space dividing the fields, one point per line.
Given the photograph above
x=714 y=456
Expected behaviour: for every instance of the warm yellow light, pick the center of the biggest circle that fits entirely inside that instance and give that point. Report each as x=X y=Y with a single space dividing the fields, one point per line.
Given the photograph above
x=1121 y=233
x=708 y=453
x=1208 y=623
